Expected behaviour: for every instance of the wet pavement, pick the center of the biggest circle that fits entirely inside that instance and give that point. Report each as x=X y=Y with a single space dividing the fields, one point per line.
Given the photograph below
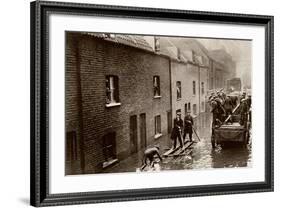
x=202 y=155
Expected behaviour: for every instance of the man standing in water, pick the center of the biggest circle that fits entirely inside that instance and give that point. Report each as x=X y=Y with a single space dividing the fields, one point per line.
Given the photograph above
x=188 y=123
x=177 y=130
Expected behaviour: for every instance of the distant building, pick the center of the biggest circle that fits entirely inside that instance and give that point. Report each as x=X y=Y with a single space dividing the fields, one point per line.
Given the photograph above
x=223 y=67
x=122 y=92
x=189 y=75
x=117 y=99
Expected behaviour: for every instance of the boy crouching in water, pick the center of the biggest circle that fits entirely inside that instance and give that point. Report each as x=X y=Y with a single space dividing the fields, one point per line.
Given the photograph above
x=149 y=154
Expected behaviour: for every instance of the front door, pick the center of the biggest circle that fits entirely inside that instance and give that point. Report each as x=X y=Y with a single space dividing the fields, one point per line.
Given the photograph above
x=142 y=130
x=133 y=134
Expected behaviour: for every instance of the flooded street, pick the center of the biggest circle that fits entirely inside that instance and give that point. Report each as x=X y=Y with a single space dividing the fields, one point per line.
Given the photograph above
x=201 y=154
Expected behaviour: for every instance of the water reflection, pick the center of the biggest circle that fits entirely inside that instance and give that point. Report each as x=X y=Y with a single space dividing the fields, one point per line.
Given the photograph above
x=200 y=156
x=203 y=156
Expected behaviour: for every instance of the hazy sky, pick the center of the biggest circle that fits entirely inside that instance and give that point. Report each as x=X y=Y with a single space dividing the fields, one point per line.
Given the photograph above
x=240 y=50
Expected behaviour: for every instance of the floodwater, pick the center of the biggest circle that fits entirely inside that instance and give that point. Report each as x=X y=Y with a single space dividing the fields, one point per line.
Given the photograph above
x=201 y=154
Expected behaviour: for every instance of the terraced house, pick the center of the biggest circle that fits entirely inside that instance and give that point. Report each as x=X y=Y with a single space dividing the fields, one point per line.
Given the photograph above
x=122 y=92
x=189 y=75
x=118 y=99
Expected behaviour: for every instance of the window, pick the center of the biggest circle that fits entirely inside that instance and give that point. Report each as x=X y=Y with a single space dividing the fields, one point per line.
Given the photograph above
x=109 y=146
x=202 y=106
x=112 y=89
x=193 y=56
x=156 y=44
x=189 y=106
x=71 y=142
x=185 y=108
x=157 y=124
x=178 y=85
x=202 y=88
x=194 y=109
x=156 y=86
x=194 y=87
x=179 y=54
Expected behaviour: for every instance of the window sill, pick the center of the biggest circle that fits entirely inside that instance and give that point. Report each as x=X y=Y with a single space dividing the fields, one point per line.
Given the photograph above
x=112 y=105
x=108 y=163
x=156 y=136
x=157 y=96
x=178 y=99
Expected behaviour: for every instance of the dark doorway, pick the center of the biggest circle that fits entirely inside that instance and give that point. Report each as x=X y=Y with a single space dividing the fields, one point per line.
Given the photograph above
x=71 y=141
x=109 y=146
x=133 y=134
x=143 y=130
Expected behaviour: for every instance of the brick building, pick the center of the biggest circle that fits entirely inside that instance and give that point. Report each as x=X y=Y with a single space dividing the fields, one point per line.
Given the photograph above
x=222 y=68
x=117 y=99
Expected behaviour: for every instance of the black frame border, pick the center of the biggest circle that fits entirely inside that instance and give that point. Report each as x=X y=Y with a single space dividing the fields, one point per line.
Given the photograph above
x=39 y=106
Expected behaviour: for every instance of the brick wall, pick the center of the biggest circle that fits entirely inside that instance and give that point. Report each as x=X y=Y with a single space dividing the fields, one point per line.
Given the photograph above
x=135 y=69
x=71 y=107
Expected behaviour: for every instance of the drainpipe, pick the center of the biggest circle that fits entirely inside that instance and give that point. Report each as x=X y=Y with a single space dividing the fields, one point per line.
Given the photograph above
x=199 y=92
x=171 y=106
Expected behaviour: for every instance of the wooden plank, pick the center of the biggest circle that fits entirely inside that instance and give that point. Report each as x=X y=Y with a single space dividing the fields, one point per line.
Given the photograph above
x=172 y=150
x=180 y=151
x=182 y=154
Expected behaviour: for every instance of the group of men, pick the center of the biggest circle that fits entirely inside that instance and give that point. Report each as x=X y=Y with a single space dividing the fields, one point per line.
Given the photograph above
x=222 y=106
x=182 y=128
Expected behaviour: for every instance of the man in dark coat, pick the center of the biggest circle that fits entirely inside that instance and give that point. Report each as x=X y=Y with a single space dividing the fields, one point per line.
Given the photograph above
x=177 y=130
x=243 y=111
x=217 y=110
x=250 y=107
x=188 y=123
x=228 y=106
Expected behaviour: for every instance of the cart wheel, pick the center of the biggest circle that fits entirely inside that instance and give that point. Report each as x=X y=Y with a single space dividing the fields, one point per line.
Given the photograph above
x=246 y=139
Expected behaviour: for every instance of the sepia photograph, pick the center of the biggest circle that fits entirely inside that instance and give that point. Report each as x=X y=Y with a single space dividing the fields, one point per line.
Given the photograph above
x=146 y=103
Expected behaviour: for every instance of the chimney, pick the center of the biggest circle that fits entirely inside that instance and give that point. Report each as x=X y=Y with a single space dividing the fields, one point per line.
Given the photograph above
x=156 y=44
x=178 y=54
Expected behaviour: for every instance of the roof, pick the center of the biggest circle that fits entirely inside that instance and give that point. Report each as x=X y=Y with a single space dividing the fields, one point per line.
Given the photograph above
x=190 y=44
x=129 y=40
x=220 y=55
x=169 y=46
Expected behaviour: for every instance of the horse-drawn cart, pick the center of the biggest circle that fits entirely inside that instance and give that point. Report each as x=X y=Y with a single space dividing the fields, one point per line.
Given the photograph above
x=232 y=132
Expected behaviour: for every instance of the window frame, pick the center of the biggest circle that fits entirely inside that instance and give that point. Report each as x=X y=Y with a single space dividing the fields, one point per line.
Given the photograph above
x=157 y=126
x=193 y=87
x=158 y=88
x=108 y=160
x=203 y=106
x=202 y=88
x=112 y=87
x=180 y=92
x=194 y=109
